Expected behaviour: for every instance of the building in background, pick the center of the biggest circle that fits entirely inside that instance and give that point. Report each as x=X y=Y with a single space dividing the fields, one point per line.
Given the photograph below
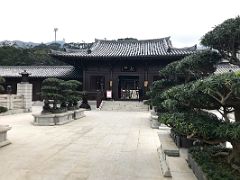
x=37 y=75
x=122 y=66
x=119 y=68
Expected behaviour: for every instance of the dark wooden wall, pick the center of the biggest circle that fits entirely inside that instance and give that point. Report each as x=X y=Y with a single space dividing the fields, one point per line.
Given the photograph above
x=111 y=69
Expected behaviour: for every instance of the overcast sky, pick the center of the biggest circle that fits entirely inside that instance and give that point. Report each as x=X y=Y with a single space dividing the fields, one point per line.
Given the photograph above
x=84 y=20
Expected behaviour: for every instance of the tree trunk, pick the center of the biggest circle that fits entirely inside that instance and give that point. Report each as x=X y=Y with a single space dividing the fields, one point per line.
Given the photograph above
x=225 y=116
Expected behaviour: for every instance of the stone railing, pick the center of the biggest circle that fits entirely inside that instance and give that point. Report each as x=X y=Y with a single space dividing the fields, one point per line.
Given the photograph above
x=12 y=102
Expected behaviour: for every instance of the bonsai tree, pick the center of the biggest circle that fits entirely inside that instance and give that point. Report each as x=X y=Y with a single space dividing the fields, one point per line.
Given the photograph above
x=211 y=93
x=155 y=93
x=71 y=94
x=192 y=67
x=225 y=38
x=2 y=81
x=51 y=93
x=196 y=89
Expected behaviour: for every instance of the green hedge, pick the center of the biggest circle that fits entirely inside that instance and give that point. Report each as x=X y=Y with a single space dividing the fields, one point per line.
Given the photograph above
x=215 y=167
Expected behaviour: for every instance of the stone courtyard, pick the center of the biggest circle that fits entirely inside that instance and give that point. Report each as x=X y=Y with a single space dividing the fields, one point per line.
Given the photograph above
x=103 y=145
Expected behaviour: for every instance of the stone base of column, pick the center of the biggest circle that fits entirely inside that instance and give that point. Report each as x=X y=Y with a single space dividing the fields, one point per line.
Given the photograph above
x=25 y=89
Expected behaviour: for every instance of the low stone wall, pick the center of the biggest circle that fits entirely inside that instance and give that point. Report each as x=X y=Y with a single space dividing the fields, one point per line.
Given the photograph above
x=167 y=149
x=3 y=135
x=58 y=119
x=79 y=113
x=197 y=170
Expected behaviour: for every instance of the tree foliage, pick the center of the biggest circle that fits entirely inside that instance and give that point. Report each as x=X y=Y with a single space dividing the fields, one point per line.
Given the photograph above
x=225 y=38
x=195 y=88
x=51 y=94
x=155 y=91
x=71 y=93
x=39 y=55
x=191 y=67
x=60 y=95
x=2 y=81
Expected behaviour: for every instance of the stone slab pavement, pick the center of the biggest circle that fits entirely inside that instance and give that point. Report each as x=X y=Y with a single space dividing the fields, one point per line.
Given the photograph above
x=104 y=145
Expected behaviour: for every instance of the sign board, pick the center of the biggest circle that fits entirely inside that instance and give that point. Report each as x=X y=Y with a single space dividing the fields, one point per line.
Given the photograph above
x=109 y=94
x=128 y=68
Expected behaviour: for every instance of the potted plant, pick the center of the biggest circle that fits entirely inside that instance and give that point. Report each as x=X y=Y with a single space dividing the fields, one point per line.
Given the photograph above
x=59 y=97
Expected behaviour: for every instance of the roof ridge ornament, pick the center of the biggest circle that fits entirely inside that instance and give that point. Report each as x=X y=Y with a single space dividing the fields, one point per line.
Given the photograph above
x=89 y=51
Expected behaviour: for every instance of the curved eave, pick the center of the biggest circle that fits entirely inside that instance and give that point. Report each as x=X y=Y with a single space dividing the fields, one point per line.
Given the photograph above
x=109 y=57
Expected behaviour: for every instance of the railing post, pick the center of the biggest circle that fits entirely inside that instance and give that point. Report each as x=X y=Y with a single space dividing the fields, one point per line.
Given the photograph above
x=11 y=105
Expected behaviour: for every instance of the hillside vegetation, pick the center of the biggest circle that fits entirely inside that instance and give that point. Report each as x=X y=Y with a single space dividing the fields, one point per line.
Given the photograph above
x=38 y=55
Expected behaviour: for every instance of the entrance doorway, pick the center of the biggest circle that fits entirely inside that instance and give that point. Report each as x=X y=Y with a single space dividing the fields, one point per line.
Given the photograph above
x=128 y=87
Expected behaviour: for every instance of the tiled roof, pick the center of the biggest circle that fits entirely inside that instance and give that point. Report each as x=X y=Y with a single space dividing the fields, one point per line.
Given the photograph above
x=226 y=67
x=128 y=48
x=40 y=71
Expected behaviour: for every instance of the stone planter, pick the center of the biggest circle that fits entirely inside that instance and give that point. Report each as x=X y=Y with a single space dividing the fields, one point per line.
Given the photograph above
x=79 y=113
x=197 y=170
x=178 y=141
x=181 y=141
x=186 y=143
x=44 y=119
x=53 y=119
x=63 y=118
x=3 y=135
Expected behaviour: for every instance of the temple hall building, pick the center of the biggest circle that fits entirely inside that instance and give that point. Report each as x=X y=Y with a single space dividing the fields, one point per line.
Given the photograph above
x=122 y=66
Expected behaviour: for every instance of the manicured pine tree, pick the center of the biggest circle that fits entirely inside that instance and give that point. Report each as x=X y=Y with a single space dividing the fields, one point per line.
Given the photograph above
x=185 y=102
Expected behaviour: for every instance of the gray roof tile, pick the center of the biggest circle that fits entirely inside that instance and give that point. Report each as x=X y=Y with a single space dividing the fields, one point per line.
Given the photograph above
x=129 y=48
x=225 y=68
x=40 y=71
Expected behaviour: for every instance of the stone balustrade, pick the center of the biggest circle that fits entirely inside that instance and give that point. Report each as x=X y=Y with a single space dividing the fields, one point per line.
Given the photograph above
x=12 y=101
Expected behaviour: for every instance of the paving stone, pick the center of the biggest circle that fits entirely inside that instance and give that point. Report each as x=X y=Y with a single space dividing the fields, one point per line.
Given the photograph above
x=102 y=145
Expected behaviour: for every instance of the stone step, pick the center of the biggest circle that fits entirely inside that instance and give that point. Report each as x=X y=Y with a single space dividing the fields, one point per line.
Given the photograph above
x=124 y=106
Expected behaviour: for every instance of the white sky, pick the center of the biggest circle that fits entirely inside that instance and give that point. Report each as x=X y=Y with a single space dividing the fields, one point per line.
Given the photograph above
x=186 y=21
